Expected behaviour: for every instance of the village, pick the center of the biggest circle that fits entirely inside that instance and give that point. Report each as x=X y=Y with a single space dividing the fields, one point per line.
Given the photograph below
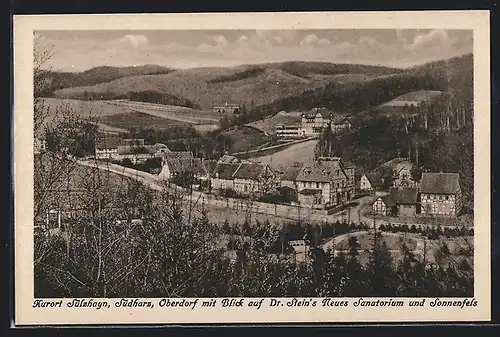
x=392 y=191
x=262 y=179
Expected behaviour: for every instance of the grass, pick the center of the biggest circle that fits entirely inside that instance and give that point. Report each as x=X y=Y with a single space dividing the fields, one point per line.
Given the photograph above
x=301 y=152
x=243 y=138
x=139 y=120
x=171 y=112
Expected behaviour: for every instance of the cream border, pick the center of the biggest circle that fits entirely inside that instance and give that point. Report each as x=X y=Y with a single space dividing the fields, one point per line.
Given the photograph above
x=24 y=25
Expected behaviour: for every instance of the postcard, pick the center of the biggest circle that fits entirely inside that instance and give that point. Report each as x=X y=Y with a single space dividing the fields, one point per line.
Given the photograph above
x=255 y=168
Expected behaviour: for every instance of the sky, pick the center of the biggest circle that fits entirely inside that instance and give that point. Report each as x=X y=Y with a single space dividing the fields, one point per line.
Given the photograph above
x=76 y=51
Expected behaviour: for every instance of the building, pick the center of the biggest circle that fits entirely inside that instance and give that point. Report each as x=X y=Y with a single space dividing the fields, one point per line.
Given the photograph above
x=400 y=201
x=288 y=130
x=314 y=121
x=340 y=124
x=222 y=178
x=177 y=167
x=107 y=148
x=440 y=194
x=384 y=205
x=289 y=177
x=254 y=179
x=406 y=200
x=401 y=170
x=333 y=178
x=227 y=108
x=371 y=181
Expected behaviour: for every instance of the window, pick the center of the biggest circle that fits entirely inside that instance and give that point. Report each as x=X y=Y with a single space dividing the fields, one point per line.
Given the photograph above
x=317 y=185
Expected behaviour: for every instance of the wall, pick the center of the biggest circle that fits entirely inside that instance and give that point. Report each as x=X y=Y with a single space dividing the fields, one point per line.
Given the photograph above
x=435 y=204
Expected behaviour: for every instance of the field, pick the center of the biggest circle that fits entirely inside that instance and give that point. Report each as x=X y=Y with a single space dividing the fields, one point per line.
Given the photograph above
x=241 y=138
x=120 y=116
x=268 y=125
x=300 y=152
x=139 y=120
x=179 y=113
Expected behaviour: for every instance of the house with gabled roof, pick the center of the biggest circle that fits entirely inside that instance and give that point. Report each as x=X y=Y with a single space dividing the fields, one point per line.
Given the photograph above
x=254 y=179
x=222 y=177
x=371 y=181
x=107 y=147
x=289 y=177
x=440 y=194
x=175 y=167
x=328 y=180
x=400 y=201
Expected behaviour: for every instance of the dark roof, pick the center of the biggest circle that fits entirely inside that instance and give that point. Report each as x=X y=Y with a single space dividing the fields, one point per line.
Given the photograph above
x=108 y=143
x=178 y=154
x=225 y=171
x=143 y=149
x=321 y=171
x=178 y=165
x=387 y=200
x=292 y=172
x=440 y=183
x=375 y=179
x=404 y=195
x=309 y=191
x=325 y=113
x=248 y=171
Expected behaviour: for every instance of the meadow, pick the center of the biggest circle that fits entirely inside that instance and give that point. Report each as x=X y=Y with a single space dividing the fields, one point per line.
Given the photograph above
x=281 y=160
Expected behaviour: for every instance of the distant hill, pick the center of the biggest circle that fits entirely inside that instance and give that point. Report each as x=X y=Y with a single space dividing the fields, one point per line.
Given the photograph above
x=58 y=80
x=251 y=85
x=265 y=89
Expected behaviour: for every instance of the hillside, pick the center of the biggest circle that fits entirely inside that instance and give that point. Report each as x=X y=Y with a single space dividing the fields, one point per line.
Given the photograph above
x=58 y=80
x=250 y=85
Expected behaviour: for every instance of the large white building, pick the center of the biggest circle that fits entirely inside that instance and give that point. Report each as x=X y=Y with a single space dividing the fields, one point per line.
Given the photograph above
x=313 y=123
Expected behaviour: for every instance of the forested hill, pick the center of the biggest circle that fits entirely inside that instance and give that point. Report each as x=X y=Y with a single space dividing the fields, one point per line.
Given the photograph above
x=55 y=80
x=454 y=75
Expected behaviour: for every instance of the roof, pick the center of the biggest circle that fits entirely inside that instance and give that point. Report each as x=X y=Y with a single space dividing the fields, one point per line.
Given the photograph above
x=142 y=149
x=375 y=179
x=179 y=165
x=225 y=171
x=321 y=171
x=325 y=113
x=310 y=191
x=248 y=171
x=292 y=172
x=440 y=183
x=404 y=195
x=387 y=200
x=177 y=154
x=228 y=159
x=108 y=143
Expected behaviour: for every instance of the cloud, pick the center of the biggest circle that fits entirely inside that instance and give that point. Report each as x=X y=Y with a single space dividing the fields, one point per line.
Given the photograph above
x=313 y=40
x=220 y=40
x=134 y=40
x=433 y=38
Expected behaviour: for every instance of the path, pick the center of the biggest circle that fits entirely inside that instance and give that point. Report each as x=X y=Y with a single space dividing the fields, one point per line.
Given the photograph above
x=287 y=212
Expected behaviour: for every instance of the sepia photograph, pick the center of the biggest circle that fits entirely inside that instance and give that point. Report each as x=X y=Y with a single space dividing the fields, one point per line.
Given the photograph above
x=299 y=163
